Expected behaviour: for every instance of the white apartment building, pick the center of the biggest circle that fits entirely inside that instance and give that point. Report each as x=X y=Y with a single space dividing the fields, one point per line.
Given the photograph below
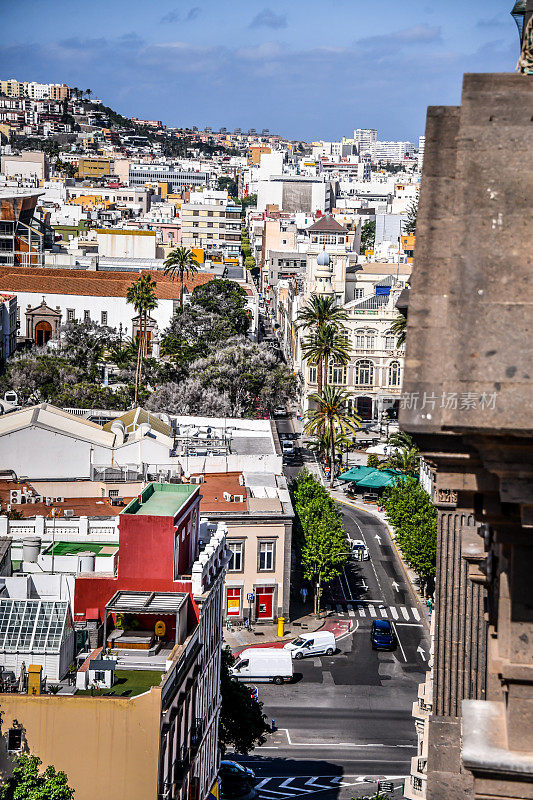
x=365 y=139
x=392 y=151
x=421 y=148
x=212 y=222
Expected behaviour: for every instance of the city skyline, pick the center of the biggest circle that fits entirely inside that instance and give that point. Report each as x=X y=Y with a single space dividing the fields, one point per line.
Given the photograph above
x=196 y=64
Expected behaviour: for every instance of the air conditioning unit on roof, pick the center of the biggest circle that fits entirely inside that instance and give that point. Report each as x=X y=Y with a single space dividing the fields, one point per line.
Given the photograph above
x=227 y=497
x=68 y=512
x=60 y=499
x=238 y=498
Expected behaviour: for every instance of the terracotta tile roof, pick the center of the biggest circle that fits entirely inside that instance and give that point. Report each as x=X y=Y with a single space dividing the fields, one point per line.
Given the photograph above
x=90 y=283
x=213 y=488
x=327 y=225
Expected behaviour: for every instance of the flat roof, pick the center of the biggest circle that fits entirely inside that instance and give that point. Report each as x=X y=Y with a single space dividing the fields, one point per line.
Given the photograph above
x=78 y=548
x=161 y=499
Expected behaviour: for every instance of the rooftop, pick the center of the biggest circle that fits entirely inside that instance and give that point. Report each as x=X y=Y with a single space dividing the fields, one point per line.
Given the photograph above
x=80 y=548
x=161 y=499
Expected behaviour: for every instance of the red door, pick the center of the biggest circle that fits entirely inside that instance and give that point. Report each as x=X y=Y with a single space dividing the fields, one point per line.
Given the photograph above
x=233 y=602
x=264 y=603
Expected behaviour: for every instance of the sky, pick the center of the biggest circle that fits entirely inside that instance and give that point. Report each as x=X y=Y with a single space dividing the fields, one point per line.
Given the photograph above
x=306 y=70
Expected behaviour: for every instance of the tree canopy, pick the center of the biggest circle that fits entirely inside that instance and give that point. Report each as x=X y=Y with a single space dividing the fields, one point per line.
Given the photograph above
x=414 y=518
x=242 y=723
x=28 y=783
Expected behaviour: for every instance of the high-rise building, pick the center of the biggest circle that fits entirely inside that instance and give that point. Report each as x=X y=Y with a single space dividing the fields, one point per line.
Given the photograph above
x=365 y=139
x=421 y=148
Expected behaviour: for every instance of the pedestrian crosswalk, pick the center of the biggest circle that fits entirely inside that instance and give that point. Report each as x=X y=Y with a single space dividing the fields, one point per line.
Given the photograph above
x=277 y=788
x=366 y=610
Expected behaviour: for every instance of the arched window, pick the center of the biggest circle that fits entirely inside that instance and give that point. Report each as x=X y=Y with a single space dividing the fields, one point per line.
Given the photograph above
x=365 y=339
x=390 y=341
x=394 y=373
x=364 y=373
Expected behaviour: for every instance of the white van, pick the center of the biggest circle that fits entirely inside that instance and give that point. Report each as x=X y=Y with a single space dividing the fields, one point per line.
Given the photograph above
x=359 y=550
x=312 y=644
x=264 y=665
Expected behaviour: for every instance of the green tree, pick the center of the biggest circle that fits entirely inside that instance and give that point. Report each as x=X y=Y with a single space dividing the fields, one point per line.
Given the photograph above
x=399 y=329
x=242 y=724
x=326 y=344
x=368 y=235
x=412 y=213
x=181 y=262
x=400 y=439
x=141 y=294
x=372 y=460
x=249 y=262
x=225 y=298
x=414 y=518
x=28 y=783
x=320 y=531
x=225 y=183
x=332 y=415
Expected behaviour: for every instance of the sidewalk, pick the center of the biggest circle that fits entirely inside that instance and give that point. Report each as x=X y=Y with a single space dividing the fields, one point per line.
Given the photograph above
x=267 y=635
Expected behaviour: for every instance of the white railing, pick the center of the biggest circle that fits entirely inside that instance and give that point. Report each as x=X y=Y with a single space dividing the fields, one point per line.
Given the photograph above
x=210 y=560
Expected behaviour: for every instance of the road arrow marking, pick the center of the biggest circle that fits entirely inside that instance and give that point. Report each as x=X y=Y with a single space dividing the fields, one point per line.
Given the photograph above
x=396 y=586
x=378 y=538
x=421 y=651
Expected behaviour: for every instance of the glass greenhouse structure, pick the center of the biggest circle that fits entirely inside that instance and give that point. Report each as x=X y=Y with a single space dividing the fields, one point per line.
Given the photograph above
x=36 y=632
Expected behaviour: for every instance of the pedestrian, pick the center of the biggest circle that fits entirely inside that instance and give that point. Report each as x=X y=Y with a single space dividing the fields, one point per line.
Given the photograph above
x=303 y=594
x=430 y=604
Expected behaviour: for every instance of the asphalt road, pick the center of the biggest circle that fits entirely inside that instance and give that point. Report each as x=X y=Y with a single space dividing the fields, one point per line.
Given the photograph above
x=346 y=720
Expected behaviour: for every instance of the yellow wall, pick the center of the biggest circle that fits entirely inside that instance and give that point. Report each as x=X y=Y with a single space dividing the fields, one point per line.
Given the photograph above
x=108 y=747
x=199 y=254
x=93 y=168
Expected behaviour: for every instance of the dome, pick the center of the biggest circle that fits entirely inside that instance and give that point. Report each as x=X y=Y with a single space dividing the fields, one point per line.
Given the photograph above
x=323 y=259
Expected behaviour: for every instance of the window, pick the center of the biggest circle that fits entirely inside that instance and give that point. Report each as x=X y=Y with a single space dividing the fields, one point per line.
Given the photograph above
x=266 y=557
x=236 y=561
x=358 y=294
x=336 y=374
x=103 y=317
x=70 y=315
x=14 y=739
x=114 y=492
x=86 y=316
x=365 y=339
x=99 y=676
x=312 y=375
x=390 y=341
x=394 y=373
x=364 y=373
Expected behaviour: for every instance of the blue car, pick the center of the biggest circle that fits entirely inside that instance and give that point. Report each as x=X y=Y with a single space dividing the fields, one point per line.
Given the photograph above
x=382 y=635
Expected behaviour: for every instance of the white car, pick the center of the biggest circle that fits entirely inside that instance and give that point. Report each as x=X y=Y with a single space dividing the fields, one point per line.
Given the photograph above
x=312 y=644
x=359 y=550
x=287 y=447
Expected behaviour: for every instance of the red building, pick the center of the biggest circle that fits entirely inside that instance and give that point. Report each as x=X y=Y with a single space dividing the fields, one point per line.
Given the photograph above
x=159 y=541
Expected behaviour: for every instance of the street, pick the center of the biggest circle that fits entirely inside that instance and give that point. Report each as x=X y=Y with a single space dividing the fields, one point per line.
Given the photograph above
x=346 y=720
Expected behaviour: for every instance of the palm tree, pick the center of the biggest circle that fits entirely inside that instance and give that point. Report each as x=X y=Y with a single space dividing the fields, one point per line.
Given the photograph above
x=320 y=309
x=399 y=329
x=142 y=295
x=326 y=344
x=320 y=444
x=400 y=439
x=181 y=261
x=406 y=460
x=333 y=416
x=88 y=93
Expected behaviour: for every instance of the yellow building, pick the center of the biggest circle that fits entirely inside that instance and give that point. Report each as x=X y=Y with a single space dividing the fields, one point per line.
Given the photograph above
x=93 y=167
x=12 y=88
x=255 y=152
x=408 y=246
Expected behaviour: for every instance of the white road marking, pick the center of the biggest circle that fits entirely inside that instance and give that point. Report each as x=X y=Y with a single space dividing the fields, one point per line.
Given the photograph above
x=351 y=612
x=311 y=782
x=286 y=785
x=416 y=613
x=262 y=783
x=372 y=611
x=362 y=612
x=394 y=612
x=399 y=642
x=384 y=613
x=328 y=745
x=404 y=612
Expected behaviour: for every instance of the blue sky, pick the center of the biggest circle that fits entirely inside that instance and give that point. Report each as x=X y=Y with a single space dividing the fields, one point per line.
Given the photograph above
x=309 y=70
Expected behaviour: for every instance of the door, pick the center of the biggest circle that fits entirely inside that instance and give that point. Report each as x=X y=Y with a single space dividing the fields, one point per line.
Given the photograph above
x=264 y=603
x=364 y=407
x=233 y=602
x=43 y=333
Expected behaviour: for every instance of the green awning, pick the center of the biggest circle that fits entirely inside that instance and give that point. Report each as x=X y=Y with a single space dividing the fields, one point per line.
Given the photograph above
x=356 y=473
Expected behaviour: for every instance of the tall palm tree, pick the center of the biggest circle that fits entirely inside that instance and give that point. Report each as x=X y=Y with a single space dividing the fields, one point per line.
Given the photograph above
x=320 y=309
x=181 y=261
x=142 y=295
x=400 y=439
x=399 y=329
x=326 y=344
x=333 y=415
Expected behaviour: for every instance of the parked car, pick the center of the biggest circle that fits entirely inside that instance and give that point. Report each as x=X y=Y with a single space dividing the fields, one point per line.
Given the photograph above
x=312 y=644
x=382 y=635
x=287 y=447
x=235 y=780
x=264 y=664
x=280 y=411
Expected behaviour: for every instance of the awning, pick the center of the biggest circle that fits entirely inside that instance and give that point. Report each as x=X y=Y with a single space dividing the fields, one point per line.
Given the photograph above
x=356 y=473
x=370 y=478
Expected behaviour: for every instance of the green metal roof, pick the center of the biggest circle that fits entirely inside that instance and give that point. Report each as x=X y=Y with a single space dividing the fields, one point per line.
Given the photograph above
x=161 y=499
x=371 y=478
x=356 y=473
